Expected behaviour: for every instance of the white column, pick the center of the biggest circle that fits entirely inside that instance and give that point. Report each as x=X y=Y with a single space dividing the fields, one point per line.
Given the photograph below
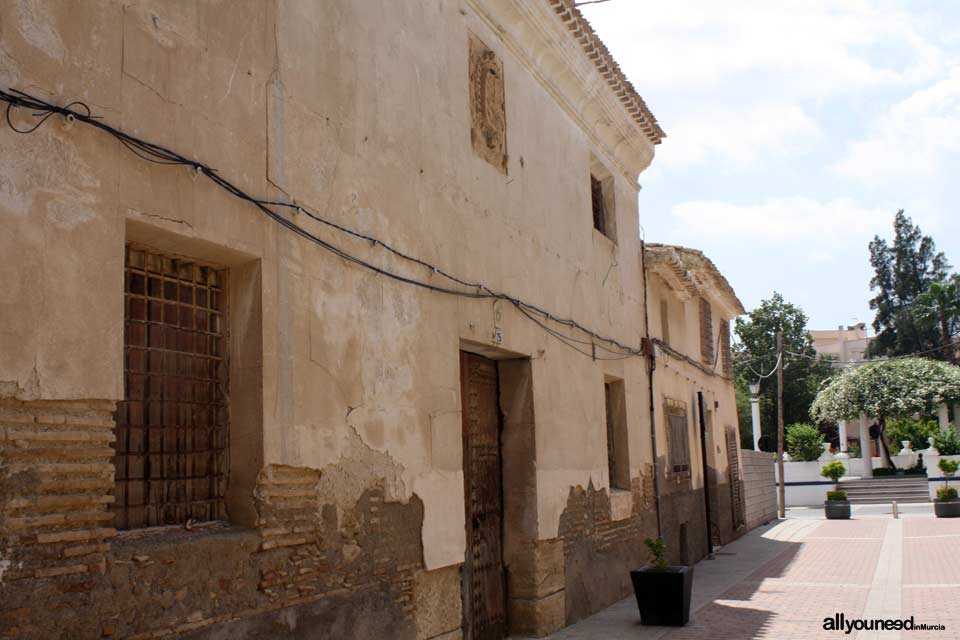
x=944 y=417
x=956 y=417
x=865 y=454
x=755 y=420
x=842 y=434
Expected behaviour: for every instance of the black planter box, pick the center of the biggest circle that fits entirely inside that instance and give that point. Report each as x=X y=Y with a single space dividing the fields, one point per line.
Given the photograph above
x=836 y=509
x=663 y=595
x=947 y=508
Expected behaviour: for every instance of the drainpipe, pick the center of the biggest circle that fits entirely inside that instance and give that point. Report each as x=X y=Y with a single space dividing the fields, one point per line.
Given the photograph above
x=706 y=480
x=650 y=369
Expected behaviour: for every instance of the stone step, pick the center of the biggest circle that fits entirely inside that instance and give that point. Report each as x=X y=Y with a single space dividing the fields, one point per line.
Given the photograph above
x=889 y=496
x=888 y=500
x=884 y=483
x=919 y=489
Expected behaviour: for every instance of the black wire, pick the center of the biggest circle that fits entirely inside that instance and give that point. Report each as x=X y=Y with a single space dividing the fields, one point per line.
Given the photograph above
x=154 y=153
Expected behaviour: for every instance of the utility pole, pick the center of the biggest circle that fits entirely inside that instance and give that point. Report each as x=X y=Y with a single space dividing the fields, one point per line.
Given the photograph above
x=783 y=502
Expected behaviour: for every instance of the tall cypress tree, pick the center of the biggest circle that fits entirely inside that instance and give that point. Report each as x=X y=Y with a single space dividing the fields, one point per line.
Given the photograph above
x=903 y=271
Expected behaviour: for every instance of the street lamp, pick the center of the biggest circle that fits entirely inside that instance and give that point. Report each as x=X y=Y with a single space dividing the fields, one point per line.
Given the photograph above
x=755 y=413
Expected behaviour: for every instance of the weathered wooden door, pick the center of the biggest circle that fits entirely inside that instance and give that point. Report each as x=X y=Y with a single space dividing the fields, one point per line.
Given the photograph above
x=736 y=493
x=483 y=589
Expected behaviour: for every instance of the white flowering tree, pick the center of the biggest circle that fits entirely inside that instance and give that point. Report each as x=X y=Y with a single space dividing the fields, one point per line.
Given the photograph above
x=884 y=389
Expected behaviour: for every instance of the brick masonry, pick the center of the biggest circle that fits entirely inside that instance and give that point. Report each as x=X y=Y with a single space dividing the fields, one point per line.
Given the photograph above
x=67 y=573
x=759 y=490
x=56 y=479
x=597 y=551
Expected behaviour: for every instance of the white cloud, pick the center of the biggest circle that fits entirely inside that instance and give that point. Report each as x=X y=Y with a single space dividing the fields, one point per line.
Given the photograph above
x=913 y=138
x=812 y=226
x=738 y=137
x=808 y=48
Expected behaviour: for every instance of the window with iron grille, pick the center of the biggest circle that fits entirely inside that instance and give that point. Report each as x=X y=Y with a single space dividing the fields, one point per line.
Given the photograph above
x=725 y=350
x=678 y=435
x=172 y=427
x=706 y=332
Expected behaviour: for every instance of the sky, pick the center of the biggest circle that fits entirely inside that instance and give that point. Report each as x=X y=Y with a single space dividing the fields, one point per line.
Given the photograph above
x=795 y=131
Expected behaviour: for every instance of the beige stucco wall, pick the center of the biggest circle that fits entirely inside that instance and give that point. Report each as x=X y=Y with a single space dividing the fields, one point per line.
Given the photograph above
x=359 y=111
x=680 y=380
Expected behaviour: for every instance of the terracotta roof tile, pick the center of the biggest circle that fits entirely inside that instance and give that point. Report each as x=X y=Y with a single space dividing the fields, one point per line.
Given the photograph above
x=594 y=48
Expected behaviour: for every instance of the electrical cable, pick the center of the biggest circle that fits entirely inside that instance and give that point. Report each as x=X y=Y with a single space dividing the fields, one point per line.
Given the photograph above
x=160 y=155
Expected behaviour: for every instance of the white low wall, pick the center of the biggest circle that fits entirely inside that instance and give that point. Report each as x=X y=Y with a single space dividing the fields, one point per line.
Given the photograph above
x=805 y=487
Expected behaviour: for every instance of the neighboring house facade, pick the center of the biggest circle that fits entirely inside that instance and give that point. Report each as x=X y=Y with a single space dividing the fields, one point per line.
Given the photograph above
x=690 y=307
x=223 y=422
x=845 y=346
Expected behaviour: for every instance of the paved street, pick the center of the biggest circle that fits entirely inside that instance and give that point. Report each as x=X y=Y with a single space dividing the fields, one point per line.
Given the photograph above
x=781 y=580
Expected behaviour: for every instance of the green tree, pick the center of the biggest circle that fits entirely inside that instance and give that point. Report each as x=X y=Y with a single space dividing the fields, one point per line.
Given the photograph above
x=903 y=271
x=756 y=353
x=889 y=389
x=940 y=305
x=916 y=431
x=804 y=442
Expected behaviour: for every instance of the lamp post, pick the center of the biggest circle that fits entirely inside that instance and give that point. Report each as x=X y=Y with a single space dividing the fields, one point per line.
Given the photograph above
x=755 y=414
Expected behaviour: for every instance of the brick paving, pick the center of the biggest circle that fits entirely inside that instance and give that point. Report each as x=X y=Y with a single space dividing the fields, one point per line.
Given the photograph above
x=780 y=581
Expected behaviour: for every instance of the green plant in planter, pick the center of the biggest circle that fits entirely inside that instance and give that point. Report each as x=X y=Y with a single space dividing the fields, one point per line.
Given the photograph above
x=946 y=493
x=834 y=471
x=946 y=504
x=949 y=467
x=663 y=592
x=836 y=507
x=658 y=552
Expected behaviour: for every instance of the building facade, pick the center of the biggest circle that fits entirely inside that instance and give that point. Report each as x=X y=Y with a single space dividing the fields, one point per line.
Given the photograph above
x=690 y=307
x=364 y=412
x=845 y=346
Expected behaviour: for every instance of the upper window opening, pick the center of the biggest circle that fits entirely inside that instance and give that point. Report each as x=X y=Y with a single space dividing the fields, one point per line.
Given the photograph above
x=602 y=201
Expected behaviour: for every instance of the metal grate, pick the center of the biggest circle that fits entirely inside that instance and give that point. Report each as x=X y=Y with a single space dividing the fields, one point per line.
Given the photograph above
x=172 y=427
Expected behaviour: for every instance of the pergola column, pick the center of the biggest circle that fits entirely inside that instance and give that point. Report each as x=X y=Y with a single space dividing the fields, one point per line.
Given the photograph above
x=943 y=416
x=866 y=454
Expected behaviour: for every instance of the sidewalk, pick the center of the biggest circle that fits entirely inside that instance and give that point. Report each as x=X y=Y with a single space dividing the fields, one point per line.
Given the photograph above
x=781 y=580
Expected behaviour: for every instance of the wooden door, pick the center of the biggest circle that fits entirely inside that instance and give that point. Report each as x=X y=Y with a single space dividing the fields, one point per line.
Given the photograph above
x=736 y=494
x=483 y=589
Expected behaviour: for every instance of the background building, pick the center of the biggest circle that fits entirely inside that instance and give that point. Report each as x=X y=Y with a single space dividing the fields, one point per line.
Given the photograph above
x=844 y=345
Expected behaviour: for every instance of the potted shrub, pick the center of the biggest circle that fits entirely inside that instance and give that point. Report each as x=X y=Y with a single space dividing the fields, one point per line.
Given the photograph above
x=947 y=505
x=663 y=591
x=836 y=507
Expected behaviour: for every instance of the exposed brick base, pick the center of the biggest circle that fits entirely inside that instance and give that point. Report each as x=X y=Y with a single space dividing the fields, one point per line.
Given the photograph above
x=305 y=572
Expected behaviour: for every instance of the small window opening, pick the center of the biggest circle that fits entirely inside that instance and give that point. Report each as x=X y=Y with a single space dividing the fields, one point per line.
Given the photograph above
x=599 y=210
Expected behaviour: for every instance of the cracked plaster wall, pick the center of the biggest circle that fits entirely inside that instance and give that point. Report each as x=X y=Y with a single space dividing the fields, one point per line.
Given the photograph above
x=360 y=114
